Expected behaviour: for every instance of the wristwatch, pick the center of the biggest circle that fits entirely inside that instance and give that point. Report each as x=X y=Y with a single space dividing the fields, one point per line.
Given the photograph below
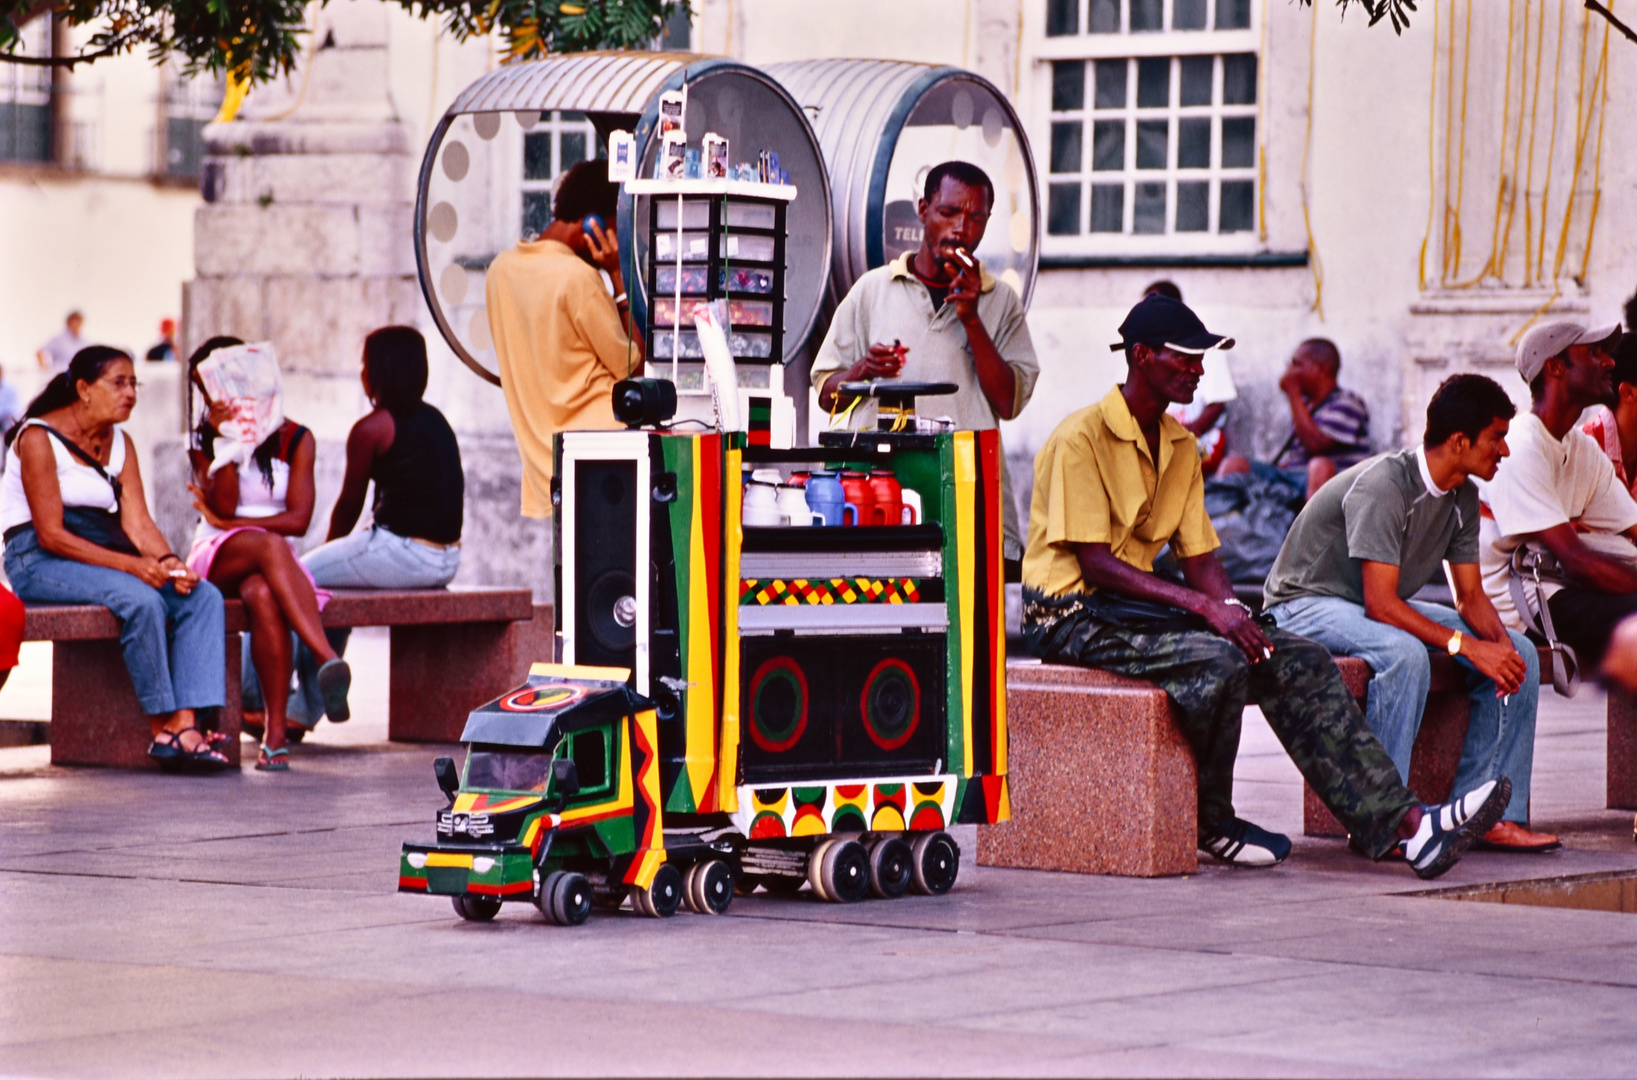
x=1454 y=645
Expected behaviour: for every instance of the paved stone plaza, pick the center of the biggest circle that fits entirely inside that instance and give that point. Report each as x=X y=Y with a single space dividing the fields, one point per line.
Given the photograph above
x=245 y=925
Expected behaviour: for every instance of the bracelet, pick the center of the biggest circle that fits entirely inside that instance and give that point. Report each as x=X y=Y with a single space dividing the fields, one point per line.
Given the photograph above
x=1234 y=601
x=620 y=299
x=170 y=555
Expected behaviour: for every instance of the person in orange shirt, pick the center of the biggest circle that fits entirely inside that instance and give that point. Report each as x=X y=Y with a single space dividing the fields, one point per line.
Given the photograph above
x=562 y=339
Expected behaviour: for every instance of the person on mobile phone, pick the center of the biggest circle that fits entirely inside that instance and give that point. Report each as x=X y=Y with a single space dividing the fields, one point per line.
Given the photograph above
x=561 y=337
x=936 y=315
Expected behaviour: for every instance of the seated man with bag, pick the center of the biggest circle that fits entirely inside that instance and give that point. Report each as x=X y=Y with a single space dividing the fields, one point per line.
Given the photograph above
x=1368 y=542
x=1554 y=543
x=1114 y=484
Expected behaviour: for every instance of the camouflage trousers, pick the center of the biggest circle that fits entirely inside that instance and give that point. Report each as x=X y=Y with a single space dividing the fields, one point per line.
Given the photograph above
x=1209 y=681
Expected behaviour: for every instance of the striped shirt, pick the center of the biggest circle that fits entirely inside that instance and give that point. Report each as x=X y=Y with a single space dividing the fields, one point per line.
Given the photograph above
x=1342 y=415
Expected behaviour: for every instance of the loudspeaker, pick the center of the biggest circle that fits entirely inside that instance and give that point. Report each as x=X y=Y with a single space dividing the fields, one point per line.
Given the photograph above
x=605 y=563
x=823 y=707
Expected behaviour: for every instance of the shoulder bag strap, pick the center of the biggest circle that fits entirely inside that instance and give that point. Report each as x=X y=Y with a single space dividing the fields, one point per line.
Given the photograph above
x=1525 y=568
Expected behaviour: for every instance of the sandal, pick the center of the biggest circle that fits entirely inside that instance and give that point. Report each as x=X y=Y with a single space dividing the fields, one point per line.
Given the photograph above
x=269 y=760
x=214 y=738
x=334 y=680
x=172 y=755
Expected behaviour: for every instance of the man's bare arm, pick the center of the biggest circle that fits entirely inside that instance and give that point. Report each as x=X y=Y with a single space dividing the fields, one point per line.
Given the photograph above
x=1587 y=567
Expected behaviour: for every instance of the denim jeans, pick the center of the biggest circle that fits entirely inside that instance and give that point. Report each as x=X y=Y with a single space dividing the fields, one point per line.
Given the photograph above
x=173 y=644
x=371 y=559
x=1500 y=738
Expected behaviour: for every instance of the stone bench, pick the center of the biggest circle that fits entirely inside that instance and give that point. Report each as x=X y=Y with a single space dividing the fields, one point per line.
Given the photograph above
x=1102 y=781
x=451 y=649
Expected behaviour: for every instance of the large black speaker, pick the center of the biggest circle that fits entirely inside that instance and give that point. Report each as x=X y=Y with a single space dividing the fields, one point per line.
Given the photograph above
x=605 y=563
x=840 y=707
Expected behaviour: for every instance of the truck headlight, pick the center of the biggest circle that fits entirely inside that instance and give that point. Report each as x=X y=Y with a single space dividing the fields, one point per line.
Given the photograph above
x=416 y=859
x=482 y=864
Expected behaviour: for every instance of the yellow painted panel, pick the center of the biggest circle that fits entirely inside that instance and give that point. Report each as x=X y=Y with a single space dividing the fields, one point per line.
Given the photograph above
x=581 y=671
x=441 y=858
x=701 y=692
x=966 y=478
x=727 y=764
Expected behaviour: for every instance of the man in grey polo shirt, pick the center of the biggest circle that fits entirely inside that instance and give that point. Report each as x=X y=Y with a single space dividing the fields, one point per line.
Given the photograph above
x=936 y=315
x=1373 y=537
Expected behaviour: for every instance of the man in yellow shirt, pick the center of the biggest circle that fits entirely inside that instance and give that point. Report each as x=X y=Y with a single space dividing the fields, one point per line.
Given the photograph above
x=1117 y=482
x=562 y=340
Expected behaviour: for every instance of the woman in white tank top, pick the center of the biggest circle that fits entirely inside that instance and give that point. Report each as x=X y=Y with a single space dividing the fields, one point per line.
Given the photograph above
x=250 y=507
x=77 y=531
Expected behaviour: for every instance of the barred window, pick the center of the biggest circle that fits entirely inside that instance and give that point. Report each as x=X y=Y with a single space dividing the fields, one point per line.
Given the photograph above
x=558 y=141
x=1151 y=125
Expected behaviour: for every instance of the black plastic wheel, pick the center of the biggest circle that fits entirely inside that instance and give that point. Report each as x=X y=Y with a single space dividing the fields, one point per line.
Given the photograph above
x=891 y=868
x=745 y=884
x=845 y=871
x=570 y=896
x=664 y=896
x=936 y=861
x=476 y=908
x=710 y=887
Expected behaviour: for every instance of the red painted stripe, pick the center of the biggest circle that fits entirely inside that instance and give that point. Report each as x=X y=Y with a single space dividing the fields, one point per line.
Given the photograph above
x=412 y=884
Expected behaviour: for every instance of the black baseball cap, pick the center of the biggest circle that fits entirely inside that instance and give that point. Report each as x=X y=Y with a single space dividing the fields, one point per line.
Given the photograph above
x=1161 y=321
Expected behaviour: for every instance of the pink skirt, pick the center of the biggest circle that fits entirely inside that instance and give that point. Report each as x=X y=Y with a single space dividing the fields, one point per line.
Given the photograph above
x=203 y=554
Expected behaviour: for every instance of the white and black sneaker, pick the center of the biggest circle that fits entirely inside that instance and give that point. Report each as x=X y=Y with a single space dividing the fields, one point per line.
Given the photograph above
x=1448 y=829
x=1239 y=843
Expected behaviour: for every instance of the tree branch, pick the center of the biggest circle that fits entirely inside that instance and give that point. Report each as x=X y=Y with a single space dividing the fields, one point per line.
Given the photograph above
x=1609 y=15
x=63 y=61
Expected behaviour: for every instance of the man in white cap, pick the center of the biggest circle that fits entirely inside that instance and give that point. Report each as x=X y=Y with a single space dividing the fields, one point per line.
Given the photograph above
x=1558 y=492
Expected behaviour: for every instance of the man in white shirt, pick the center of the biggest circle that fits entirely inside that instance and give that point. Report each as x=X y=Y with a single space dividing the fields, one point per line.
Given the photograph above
x=1559 y=489
x=55 y=354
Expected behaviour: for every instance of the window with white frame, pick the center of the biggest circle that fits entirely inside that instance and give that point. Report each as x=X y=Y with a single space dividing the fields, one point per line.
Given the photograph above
x=25 y=99
x=1148 y=125
x=557 y=141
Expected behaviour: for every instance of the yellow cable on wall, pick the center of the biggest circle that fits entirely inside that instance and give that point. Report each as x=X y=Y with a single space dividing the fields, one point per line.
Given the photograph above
x=1315 y=265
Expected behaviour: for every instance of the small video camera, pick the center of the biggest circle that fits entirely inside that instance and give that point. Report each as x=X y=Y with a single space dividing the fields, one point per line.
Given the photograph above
x=644 y=402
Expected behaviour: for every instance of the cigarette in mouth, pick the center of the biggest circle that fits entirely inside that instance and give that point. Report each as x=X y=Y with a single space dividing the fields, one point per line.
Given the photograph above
x=960 y=253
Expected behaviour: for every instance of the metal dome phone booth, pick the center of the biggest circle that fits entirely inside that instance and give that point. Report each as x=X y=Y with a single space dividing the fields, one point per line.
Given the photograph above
x=473 y=186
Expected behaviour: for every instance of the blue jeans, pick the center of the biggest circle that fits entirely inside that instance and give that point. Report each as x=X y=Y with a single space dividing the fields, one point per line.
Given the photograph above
x=1500 y=738
x=173 y=644
x=372 y=559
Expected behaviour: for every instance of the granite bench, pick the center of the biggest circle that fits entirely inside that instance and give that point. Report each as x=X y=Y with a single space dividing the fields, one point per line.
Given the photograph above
x=451 y=649
x=1102 y=781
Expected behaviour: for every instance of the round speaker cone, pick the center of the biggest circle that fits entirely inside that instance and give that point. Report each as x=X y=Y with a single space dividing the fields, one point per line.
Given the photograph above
x=603 y=605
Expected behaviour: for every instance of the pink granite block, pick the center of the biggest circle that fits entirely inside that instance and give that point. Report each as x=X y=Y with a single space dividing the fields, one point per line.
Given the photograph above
x=1101 y=779
x=95 y=718
x=1438 y=745
x=1622 y=776
x=440 y=673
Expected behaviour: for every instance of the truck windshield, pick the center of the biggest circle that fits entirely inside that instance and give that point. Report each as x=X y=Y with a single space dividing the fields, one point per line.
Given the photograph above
x=508 y=770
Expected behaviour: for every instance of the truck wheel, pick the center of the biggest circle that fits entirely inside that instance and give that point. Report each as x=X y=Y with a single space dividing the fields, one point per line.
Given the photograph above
x=475 y=908
x=745 y=884
x=890 y=868
x=661 y=899
x=815 y=868
x=844 y=871
x=709 y=887
x=935 y=860
x=565 y=898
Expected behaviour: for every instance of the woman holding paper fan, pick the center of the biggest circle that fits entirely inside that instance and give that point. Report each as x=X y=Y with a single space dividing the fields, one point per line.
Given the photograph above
x=77 y=531
x=253 y=487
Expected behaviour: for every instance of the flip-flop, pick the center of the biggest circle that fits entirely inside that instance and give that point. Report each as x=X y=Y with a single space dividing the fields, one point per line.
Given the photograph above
x=334 y=680
x=273 y=760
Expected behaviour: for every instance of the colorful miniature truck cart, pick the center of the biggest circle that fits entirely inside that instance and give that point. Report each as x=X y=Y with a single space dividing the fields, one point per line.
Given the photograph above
x=805 y=705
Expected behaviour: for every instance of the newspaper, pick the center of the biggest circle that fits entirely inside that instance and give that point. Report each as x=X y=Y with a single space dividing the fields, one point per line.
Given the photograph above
x=246 y=378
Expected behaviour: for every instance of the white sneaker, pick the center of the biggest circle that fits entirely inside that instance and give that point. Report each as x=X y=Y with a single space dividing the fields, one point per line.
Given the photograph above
x=1448 y=829
x=1239 y=843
